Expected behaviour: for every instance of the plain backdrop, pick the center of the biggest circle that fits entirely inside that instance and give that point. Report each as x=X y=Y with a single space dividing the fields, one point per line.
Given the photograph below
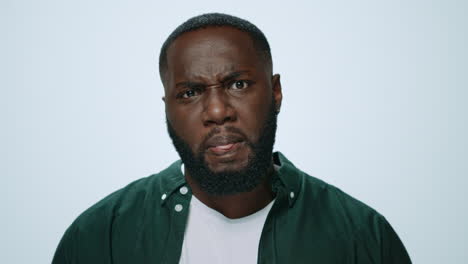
x=375 y=103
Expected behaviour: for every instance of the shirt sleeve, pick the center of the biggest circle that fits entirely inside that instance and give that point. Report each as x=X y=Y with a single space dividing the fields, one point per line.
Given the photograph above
x=63 y=253
x=378 y=243
x=88 y=244
x=392 y=249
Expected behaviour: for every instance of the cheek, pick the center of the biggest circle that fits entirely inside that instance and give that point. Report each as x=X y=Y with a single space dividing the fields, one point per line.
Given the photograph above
x=187 y=125
x=253 y=117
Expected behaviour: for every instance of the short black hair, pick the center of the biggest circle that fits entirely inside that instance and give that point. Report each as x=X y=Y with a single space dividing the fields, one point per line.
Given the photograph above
x=217 y=20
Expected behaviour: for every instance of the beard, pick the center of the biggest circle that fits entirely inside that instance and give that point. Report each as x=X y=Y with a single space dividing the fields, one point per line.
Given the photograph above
x=230 y=182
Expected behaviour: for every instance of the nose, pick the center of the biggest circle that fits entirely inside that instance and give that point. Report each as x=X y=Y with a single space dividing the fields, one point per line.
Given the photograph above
x=217 y=109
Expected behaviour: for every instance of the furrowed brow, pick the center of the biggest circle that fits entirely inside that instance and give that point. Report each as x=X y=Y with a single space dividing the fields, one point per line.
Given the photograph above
x=233 y=75
x=229 y=77
x=188 y=85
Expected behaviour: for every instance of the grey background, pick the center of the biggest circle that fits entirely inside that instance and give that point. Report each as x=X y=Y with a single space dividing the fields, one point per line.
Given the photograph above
x=374 y=102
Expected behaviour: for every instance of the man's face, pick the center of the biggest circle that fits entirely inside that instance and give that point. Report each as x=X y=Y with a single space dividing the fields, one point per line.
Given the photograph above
x=221 y=104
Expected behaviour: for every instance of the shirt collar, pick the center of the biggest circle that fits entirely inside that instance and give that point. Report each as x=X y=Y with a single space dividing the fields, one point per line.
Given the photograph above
x=288 y=175
x=171 y=180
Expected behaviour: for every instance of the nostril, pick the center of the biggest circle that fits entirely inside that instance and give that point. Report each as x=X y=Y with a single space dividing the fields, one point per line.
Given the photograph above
x=218 y=113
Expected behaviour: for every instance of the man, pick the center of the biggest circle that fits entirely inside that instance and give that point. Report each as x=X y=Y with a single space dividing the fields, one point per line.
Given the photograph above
x=230 y=199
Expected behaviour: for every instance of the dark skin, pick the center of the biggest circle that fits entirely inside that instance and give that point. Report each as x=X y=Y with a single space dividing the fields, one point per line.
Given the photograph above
x=215 y=79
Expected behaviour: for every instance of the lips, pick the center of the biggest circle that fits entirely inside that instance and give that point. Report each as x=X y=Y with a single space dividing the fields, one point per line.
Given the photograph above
x=223 y=144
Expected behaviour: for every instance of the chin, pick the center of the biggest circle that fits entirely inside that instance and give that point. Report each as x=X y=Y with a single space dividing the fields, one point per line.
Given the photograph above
x=229 y=167
x=237 y=162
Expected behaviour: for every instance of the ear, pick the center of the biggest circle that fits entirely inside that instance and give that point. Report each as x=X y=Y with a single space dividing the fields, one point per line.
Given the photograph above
x=277 y=92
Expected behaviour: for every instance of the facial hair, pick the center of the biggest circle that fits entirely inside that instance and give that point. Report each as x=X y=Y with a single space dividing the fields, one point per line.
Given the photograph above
x=235 y=181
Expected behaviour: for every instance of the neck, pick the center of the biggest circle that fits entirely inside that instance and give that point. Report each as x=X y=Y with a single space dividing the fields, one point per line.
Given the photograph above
x=240 y=204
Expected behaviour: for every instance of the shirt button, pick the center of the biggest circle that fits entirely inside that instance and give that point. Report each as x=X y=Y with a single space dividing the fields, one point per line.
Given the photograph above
x=178 y=207
x=183 y=190
x=291 y=194
x=163 y=197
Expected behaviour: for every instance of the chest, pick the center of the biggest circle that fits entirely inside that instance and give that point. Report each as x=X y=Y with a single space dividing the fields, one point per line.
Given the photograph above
x=212 y=238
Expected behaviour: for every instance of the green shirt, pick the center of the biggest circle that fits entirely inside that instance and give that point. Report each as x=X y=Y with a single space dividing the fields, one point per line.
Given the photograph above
x=310 y=222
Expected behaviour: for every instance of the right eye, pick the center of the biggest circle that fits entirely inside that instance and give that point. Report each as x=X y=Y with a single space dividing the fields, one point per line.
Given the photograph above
x=188 y=93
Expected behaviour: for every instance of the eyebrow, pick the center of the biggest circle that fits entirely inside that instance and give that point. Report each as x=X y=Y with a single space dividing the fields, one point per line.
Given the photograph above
x=231 y=76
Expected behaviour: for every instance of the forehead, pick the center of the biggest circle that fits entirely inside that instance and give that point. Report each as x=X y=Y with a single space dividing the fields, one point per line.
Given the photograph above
x=211 y=51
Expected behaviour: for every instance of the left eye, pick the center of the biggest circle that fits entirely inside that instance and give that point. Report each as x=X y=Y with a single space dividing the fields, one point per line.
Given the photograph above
x=239 y=85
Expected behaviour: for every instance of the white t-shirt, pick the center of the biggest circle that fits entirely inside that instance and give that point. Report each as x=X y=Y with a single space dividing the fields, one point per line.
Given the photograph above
x=210 y=237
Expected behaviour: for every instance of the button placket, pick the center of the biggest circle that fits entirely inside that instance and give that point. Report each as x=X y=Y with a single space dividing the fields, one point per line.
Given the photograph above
x=183 y=190
x=178 y=207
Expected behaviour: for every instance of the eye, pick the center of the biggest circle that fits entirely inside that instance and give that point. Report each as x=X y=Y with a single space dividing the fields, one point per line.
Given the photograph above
x=237 y=85
x=188 y=93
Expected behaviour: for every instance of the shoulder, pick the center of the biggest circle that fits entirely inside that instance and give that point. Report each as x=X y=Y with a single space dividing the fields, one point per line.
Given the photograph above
x=136 y=194
x=320 y=201
x=338 y=206
x=119 y=201
x=117 y=216
x=342 y=217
